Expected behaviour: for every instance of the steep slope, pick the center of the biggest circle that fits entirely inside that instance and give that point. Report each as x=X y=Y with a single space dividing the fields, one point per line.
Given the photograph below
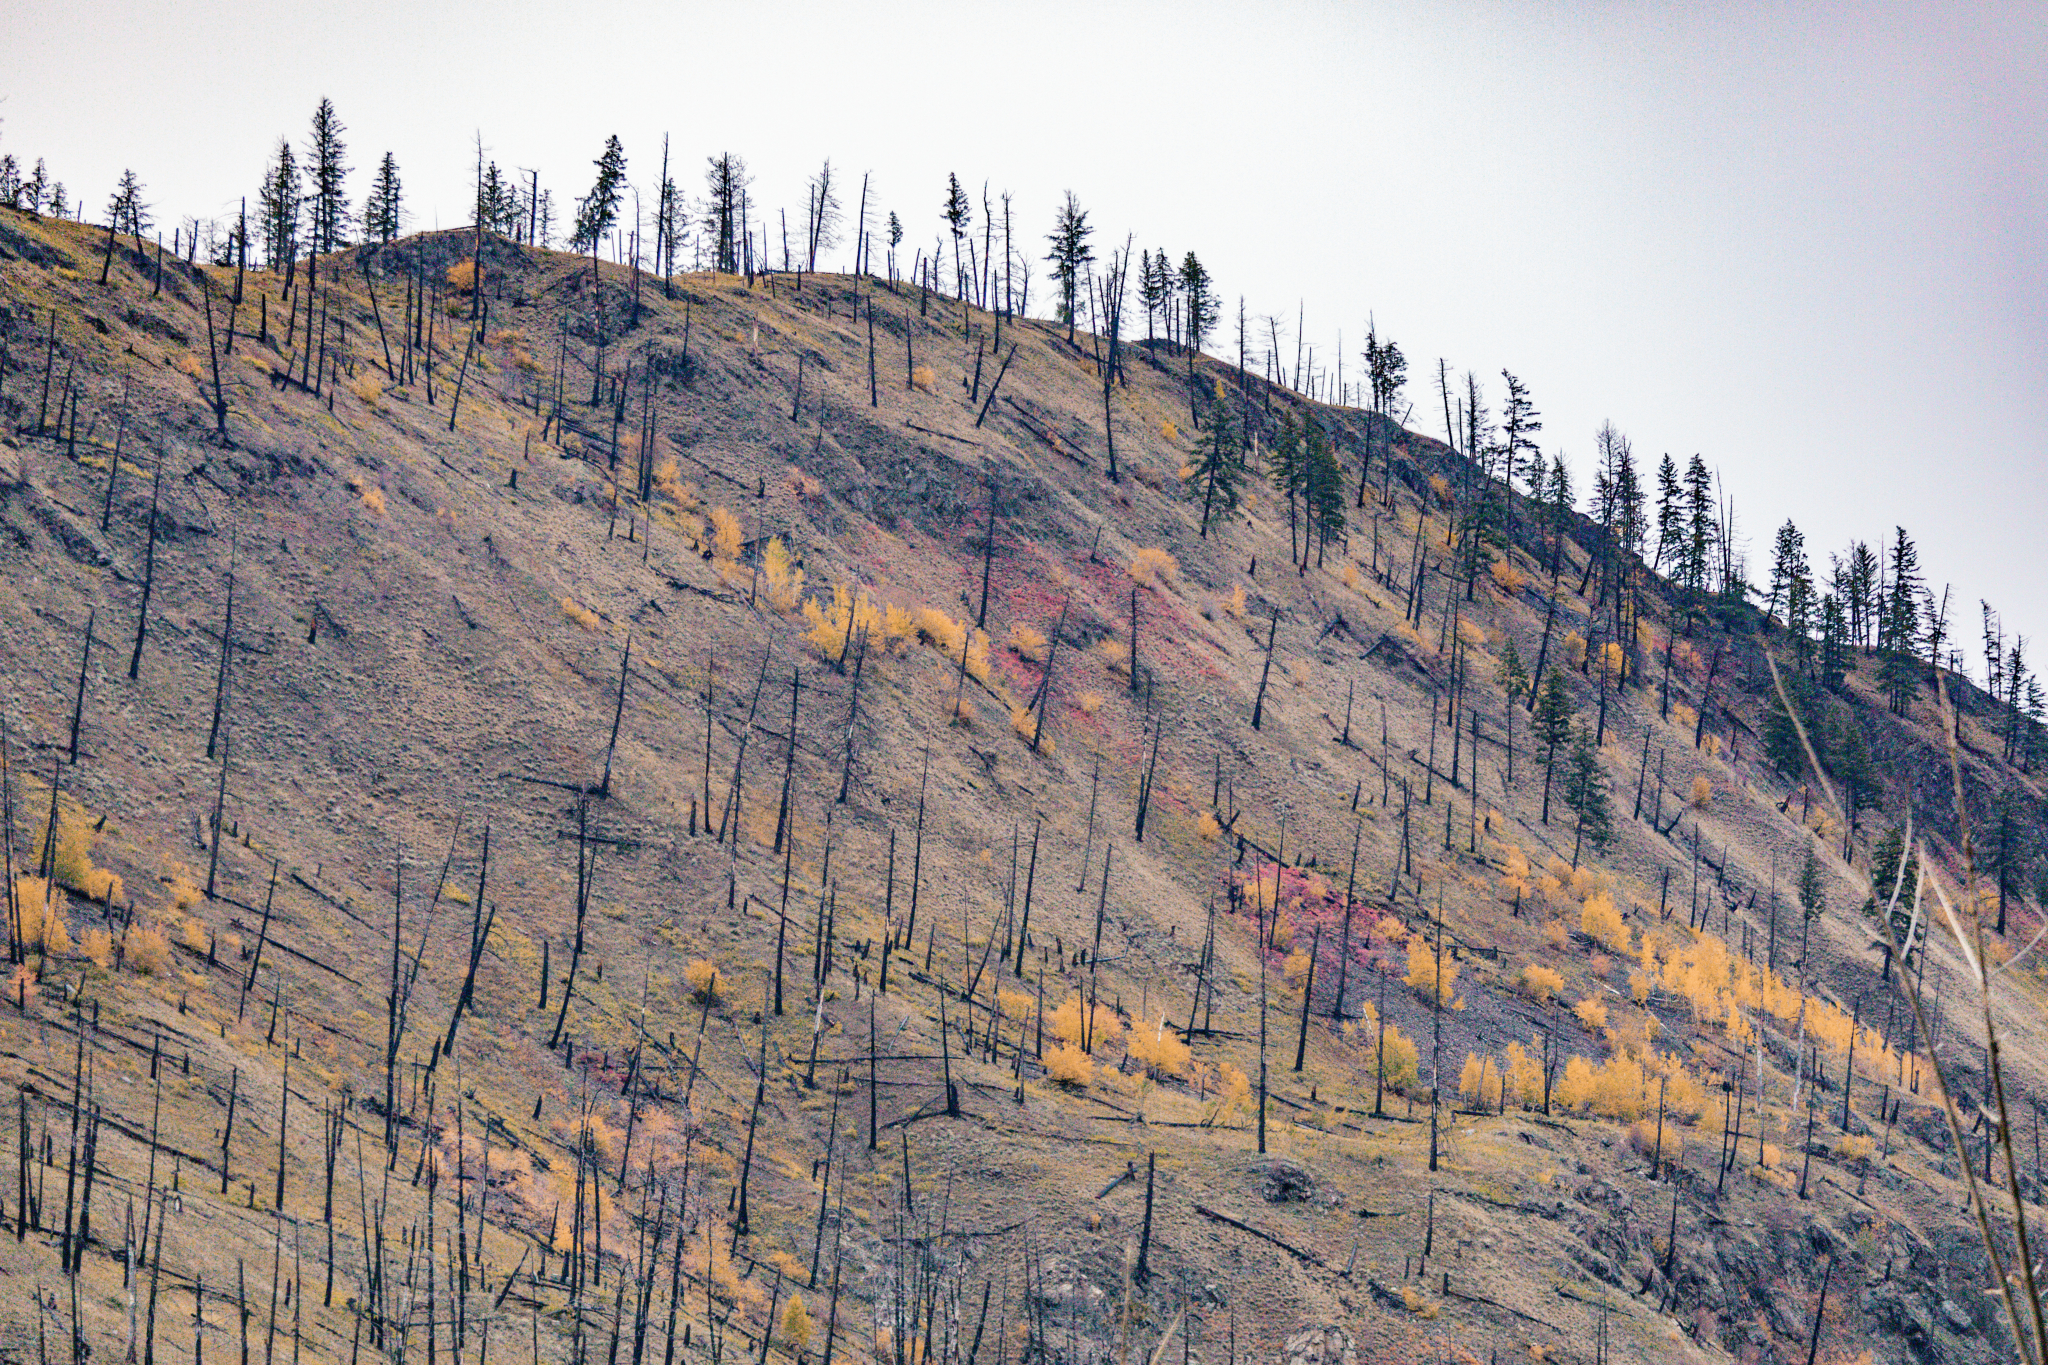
x=452 y=617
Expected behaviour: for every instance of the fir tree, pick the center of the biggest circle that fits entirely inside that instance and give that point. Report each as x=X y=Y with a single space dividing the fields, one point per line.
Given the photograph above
x=1813 y=902
x=1701 y=526
x=600 y=208
x=1834 y=644
x=1070 y=255
x=1788 y=566
x=1553 y=725
x=1894 y=874
x=1218 y=468
x=278 y=207
x=10 y=181
x=1325 y=489
x=327 y=175
x=1670 y=514
x=1519 y=453
x=725 y=182
x=1899 y=624
x=1585 y=794
x=958 y=214
x=381 y=211
x=126 y=211
x=1201 y=308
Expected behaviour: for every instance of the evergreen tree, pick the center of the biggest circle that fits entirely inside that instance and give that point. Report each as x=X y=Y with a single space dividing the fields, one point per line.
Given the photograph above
x=1812 y=899
x=1849 y=757
x=1287 y=466
x=1855 y=582
x=381 y=211
x=1617 y=491
x=1324 y=489
x=669 y=219
x=1585 y=794
x=1218 y=468
x=1890 y=884
x=1899 y=624
x=278 y=207
x=327 y=175
x=1553 y=725
x=1670 y=514
x=1153 y=289
x=58 y=205
x=895 y=240
x=10 y=181
x=958 y=214
x=2004 y=855
x=1788 y=565
x=600 y=208
x=1518 y=450
x=726 y=180
x=1201 y=308
x=1070 y=255
x=125 y=209
x=1834 y=644
x=1701 y=526
x=35 y=187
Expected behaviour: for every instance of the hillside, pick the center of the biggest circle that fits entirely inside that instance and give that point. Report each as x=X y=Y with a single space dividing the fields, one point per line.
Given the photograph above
x=541 y=706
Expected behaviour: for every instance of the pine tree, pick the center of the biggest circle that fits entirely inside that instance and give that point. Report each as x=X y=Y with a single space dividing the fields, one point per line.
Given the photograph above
x=1670 y=514
x=381 y=212
x=1788 y=565
x=35 y=187
x=1325 y=489
x=1890 y=884
x=278 y=207
x=1070 y=255
x=1218 y=468
x=1287 y=466
x=1834 y=644
x=327 y=176
x=1553 y=725
x=1899 y=624
x=10 y=181
x=958 y=214
x=1585 y=794
x=1518 y=450
x=1151 y=293
x=2004 y=853
x=1201 y=309
x=725 y=180
x=895 y=240
x=1701 y=526
x=600 y=208
x=1813 y=902
x=125 y=210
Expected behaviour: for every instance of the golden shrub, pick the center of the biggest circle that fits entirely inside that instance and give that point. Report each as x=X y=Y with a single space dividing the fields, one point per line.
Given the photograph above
x=1069 y=1065
x=796 y=1325
x=373 y=499
x=1153 y=567
x=1068 y=1020
x=462 y=276
x=1540 y=983
x=1028 y=643
x=1525 y=1074
x=1234 y=605
x=784 y=579
x=702 y=974
x=1640 y=986
x=72 y=858
x=192 y=934
x=1481 y=1081
x=580 y=614
x=1601 y=921
x=1507 y=577
x=1208 y=827
x=146 y=950
x=726 y=536
x=1025 y=722
x=1168 y=430
x=921 y=376
x=1702 y=792
x=1398 y=1060
x=1090 y=702
x=1160 y=1050
x=1591 y=1012
x=97 y=944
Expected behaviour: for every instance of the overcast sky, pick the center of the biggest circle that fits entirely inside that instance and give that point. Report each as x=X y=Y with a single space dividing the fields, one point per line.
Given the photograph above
x=1802 y=240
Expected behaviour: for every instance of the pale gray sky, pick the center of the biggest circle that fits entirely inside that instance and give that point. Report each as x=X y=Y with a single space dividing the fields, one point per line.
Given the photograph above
x=1803 y=240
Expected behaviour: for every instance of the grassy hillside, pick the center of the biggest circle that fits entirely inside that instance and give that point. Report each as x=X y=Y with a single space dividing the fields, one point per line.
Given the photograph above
x=638 y=901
